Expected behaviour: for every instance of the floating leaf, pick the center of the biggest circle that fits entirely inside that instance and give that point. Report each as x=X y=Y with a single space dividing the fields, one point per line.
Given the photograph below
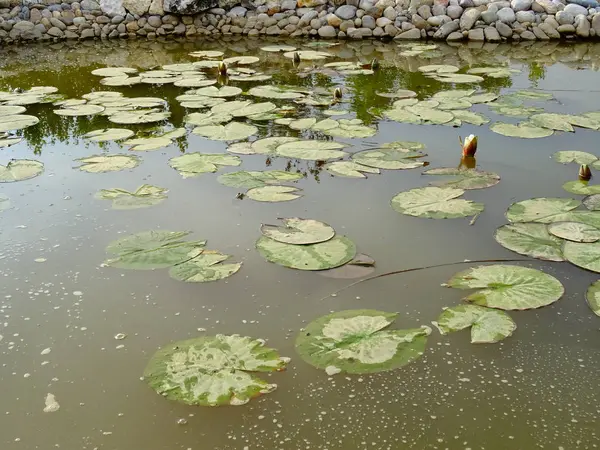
x=233 y=131
x=204 y=268
x=120 y=81
x=205 y=119
x=308 y=55
x=303 y=124
x=193 y=101
x=249 y=180
x=438 y=68
x=431 y=115
x=592 y=297
x=206 y=54
x=324 y=255
x=80 y=110
x=509 y=287
x=224 y=91
x=361 y=266
x=356 y=341
x=193 y=164
x=530 y=239
x=592 y=202
x=488 y=326
x=16 y=122
x=574 y=156
x=274 y=92
x=551 y=121
x=465 y=179
x=520 y=131
x=458 y=78
x=268 y=146
x=243 y=108
x=542 y=210
x=108 y=163
x=533 y=95
x=581 y=188
x=348 y=130
x=213 y=370
x=143 y=197
x=470 y=117
x=311 y=150
x=241 y=60
x=8 y=110
x=454 y=93
x=146 y=144
x=585 y=255
x=574 y=231
x=393 y=158
x=195 y=82
x=139 y=116
x=349 y=169
x=582 y=121
x=486 y=97
x=20 y=169
x=298 y=231
x=402 y=115
x=7 y=142
x=435 y=203
x=113 y=71
x=278 y=48
x=108 y=134
x=274 y=193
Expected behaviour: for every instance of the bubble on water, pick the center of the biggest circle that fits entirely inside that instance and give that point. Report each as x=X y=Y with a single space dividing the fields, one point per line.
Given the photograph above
x=51 y=404
x=46 y=351
x=120 y=336
x=182 y=421
x=40 y=260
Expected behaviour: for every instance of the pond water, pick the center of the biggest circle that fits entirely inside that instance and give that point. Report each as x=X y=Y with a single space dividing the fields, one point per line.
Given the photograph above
x=535 y=389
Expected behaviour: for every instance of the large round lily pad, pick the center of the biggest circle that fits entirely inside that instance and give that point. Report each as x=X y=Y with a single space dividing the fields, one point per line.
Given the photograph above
x=542 y=210
x=585 y=255
x=509 y=287
x=274 y=194
x=231 y=132
x=465 y=179
x=574 y=156
x=108 y=134
x=390 y=158
x=530 y=239
x=520 y=131
x=349 y=169
x=325 y=255
x=20 y=169
x=193 y=164
x=298 y=231
x=204 y=268
x=574 y=231
x=213 y=370
x=108 y=163
x=358 y=341
x=435 y=203
x=16 y=122
x=487 y=325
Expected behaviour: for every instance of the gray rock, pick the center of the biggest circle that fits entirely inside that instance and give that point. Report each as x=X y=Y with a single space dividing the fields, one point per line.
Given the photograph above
x=390 y=13
x=288 y=5
x=479 y=3
x=382 y=22
x=117 y=19
x=506 y=15
x=503 y=29
x=490 y=16
x=89 y=5
x=574 y=9
x=469 y=18
x=549 y=30
x=438 y=21
x=540 y=34
x=466 y=3
x=346 y=12
x=550 y=20
x=88 y=33
x=237 y=11
x=273 y=30
x=438 y=10
x=55 y=32
x=528 y=36
x=525 y=16
x=410 y=34
x=154 y=21
x=327 y=32
x=368 y=22
x=455 y=36
x=315 y=24
x=307 y=17
x=446 y=29
x=491 y=34
x=57 y=23
x=566 y=29
x=35 y=16
x=419 y=22
x=582 y=26
x=596 y=24
x=564 y=18
x=424 y=11
x=521 y=5
x=391 y=30
x=454 y=11
x=189 y=6
x=476 y=34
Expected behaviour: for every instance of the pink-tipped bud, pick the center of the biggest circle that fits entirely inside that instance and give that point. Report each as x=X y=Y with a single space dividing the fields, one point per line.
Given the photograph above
x=585 y=173
x=469 y=146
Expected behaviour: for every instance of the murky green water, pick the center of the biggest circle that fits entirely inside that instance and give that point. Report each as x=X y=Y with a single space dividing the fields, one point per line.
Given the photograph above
x=536 y=389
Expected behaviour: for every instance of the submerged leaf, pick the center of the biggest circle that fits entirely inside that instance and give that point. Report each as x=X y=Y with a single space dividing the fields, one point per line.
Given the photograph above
x=435 y=203
x=508 y=287
x=488 y=326
x=530 y=239
x=298 y=231
x=213 y=370
x=357 y=341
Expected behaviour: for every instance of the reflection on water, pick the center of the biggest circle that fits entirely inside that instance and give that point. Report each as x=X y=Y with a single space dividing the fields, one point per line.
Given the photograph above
x=60 y=315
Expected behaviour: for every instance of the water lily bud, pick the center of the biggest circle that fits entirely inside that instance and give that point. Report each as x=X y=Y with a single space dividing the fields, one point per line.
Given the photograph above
x=467 y=162
x=585 y=173
x=337 y=94
x=222 y=68
x=469 y=146
x=375 y=64
x=296 y=58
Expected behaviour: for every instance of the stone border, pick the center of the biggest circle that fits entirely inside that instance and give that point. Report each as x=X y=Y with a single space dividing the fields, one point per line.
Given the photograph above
x=450 y=20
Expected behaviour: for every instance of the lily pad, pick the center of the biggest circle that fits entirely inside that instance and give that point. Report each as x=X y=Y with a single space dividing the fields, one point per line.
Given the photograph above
x=349 y=169
x=470 y=117
x=193 y=164
x=268 y=146
x=113 y=71
x=530 y=239
x=108 y=134
x=241 y=60
x=402 y=115
x=592 y=297
x=194 y=82
x=435 y=203
x=551 y=121
x=7 y=142
x=249 y=180
x=357 y=341
x=581 y=187
x=486 y=97
x=233 y=131
x=206 y=54
x=224 y=91
x=274 y=92
x=311 y=150
x=139 y=116
x=324 y=255
x=205 y=119
x=533 y=95
x=308 y=55
x=488 y=326
x=298 y=231
x=592 y=202
x=20 y=169
x=278 y=48
x=509 y=287
x=8 y=110
x=243 y=108
x=274 y=193
x=213 y=370
x=520 y=131
x=194 y=101
x=458 y=78
x=585 y=255
x=303 y=124
x=542 y=210
x=146 y=144
x=16 y=122
x=120 y=81
x=143 y=197
x=394 y=158
x=574 y=156
x=465 y=179
x=108 y=163
x=204 y=268
x=574 y=231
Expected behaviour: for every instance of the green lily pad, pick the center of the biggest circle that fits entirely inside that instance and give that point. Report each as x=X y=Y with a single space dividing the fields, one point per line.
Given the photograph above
x=542 y=210
x=205 y=119
x=402 y=115
x=233 y=131
x=298 y=231
x=108 y=134
x=194 y=82
x=180 y=67
x=458 y=78
x=194 y=101
x=574 y=156
x=582 y=121
x=121 y=81
x=435 y=203
x=80 y=110
x=213 y=370
x=303 y=124
x=16 y=122
x=471 y=117
x=434 y=116
x=394 y=158
x=509 y=287
x=193 y=164
x=278 y=48
x=488 y=326
x=274 y=193
x=268 y=146
x=514 y=110
x=486 y=97
x=533 y=95
x=274 y=92
x=243 y=108
x=574 y=231
x=150 y=250
x=454 y=104
x=465 y=179
x=9 y=110
x=581 y=187
x=347 y=130
x=438 y=68
x=108 y=163
x=241 y=60
x=7 y=142
x=324 y=255
x=520 y=131
x=20 y=169
x=222 y=92
x=585 y=255
x=147 y=144
x=308 y=55
x=349 y=169
x=143 y=197
x=139 y=116
x=530 y=239
x=551 y=121
x=592 y=202
x=206 y=54
x=357 y=341
x=311 y=150
x=454 y=93
x=400 y=93
x=249 y=180
x=592 y=297
x=204 y=268
x=113 y=71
